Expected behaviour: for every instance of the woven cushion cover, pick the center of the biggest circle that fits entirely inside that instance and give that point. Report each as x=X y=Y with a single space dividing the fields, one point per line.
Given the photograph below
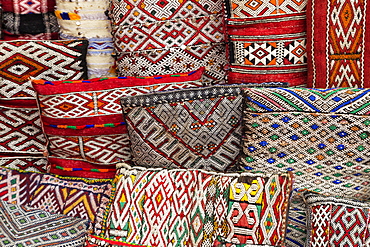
x=88 y=114
x=337 y=222
x=191 y=207
x=29 y=19
x=23 y=226
x=339 y=44
x=267 y=41
x=319 y=135
x=192 y=128
x=25 y=163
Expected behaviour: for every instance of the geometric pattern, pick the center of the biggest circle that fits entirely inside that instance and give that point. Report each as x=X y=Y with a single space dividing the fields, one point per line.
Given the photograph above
x=172 y=33
x=20 y=131
x=130 y=12
x=296 y=227
x=16 y=187
x=161 y=207
x=48 y=60
x=261 y=8
x=25 y=163
x=95 y=105
x=28 y=7
x=336 y=222
x=23 y=226
x=322 y=136
x=267 y=41
x=176 y=60
x=190 y=128
x=338 y=37
x=73 y=197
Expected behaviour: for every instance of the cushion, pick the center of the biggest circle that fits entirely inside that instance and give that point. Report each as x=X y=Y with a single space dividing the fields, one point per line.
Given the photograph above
x=48 y=60
x=320 y=135
x=267 y=41
x=161 y=206
x=94 y=241
x=335 y=221
x=25 y=163
x=74 y=197
x=338 y=47
x=83 y=119
x=190 y=128
x=20 y=131
x=29 y=20
x=17 y=186
x=23 y=226
x=85 y=20
x=130 y=12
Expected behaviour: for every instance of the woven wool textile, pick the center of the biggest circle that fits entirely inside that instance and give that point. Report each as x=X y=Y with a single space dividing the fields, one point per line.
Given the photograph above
x=48 y=60
x=20 y=131
x=16 y=187
x=320 y=135
x=192 y=128
x=176 y=60
x=129 y=12
x=23 y=226
x=267 y=41
x=191 y=207
x=338 y=44
x=337 y=222
x=83 y=119
x=296 y=234
x=70 y=196
x=25 y=163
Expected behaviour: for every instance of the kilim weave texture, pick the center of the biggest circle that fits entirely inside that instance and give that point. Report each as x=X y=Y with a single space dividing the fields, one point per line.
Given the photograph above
x=169 y=37
x=267 y=41
x=23 y=226
x=35 y=19
x=25 y=163
x=161 y=207
x=336 y=222
x=83 y=120
x=338 y=43
x=320 y=135
x=191 y=128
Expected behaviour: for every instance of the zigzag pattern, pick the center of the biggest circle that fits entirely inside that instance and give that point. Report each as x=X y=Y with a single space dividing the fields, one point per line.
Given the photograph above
x=35 y=164
x=150 y=208
x=186 y=128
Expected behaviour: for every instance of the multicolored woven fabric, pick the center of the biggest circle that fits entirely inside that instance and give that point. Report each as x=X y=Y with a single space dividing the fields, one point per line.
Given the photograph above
x=338 y=44
x=83 y=119
x=320 y=135
x=48 y=60
x=23 y=226
x=162 y=207
x=267 y=41
x=296 y=234
x=191 y=128
x=25 y=163
x=88 y=19
x=337 y=222
x=32 y=18
x=16 y=187
x=169 y=37
x=73 y=197
x=20 y=131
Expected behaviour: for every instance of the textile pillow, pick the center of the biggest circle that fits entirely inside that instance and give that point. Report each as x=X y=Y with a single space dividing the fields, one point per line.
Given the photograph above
x=74 y=197
x=23 y=226
x=320 y=135
x=338 y=47
x=48 y=60
x=267 y=41
x=190 y=128
x=25 y=163
x=334 y=221
x=83 y=119
x=29 y=20
x=162 y=207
